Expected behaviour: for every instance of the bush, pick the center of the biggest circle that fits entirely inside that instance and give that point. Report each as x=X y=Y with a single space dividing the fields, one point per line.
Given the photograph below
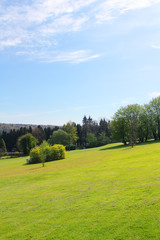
x=50 y=153
x=35 y=155
x=58 y=152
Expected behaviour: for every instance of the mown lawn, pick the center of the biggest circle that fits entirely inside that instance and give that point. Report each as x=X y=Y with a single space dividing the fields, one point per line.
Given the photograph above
x=111 y=192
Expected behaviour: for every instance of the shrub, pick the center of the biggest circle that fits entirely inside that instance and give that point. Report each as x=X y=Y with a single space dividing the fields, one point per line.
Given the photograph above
x=44 y=152
x=49 y=153
x=57 y=152
x=35 y=155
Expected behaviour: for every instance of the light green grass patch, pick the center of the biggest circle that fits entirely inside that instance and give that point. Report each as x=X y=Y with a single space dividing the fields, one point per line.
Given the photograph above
x=111 y=192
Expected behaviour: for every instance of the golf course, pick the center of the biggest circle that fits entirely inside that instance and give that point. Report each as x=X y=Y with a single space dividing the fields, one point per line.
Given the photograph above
x=104 y=193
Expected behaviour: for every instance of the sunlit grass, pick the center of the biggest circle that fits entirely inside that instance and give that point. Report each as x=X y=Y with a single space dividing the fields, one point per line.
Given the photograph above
x=111 y=192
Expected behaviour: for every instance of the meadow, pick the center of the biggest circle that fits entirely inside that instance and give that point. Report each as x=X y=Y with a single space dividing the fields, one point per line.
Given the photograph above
x=106 y=193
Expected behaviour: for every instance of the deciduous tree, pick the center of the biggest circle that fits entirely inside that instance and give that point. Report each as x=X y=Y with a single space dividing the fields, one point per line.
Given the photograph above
x=26 y=143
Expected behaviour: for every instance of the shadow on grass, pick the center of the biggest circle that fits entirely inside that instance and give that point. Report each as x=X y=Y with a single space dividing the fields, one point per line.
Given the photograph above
x=127 y=147
x=33 y=164
x=114 y=147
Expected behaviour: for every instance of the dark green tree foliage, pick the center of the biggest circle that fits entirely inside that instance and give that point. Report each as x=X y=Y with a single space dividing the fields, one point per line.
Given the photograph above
x=91 y=126
x=48 y=132
x=144 y=130
x=103 y=139
x=91 y=140
x=12 y=137
x=80 y=135
x=3 y=148
x=39 y=134
x=26 y=143
x=104 y=127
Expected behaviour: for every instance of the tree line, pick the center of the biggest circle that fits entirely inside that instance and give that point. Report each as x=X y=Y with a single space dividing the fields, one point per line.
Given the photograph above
x=130 y=124
x=90 y=134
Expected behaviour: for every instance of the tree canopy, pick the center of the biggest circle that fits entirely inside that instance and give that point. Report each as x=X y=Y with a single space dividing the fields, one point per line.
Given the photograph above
x=60 y=137
x=26 y=143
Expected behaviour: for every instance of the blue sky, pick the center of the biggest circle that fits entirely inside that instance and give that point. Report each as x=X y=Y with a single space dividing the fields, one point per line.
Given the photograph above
x=63 y=59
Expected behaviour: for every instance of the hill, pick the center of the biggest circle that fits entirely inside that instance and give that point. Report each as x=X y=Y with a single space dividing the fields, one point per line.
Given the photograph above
x=106 y=193
x=7 y=127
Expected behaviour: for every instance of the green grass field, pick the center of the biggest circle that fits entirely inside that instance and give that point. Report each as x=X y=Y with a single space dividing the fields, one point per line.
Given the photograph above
x=111 y=192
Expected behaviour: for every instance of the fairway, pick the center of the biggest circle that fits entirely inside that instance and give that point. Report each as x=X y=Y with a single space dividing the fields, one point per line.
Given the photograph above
x=106 y=193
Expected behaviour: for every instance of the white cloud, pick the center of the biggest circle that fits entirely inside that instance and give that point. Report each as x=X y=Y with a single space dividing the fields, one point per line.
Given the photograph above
x=154 y=94
x=63 y=24
x=71 y=57
x=9 y=43
x=75 y=57
x=111 y=9
x=29 y=22
x=155 y=46
x=36 y=26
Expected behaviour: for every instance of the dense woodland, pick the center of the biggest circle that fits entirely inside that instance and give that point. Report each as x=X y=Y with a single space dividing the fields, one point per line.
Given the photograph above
x=130 y=124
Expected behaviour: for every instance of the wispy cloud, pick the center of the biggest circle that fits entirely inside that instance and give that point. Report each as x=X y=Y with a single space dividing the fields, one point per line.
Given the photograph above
x=155 y=46
x=154 y=94
x=72 y=57
x=111 y=9
x=36 y=26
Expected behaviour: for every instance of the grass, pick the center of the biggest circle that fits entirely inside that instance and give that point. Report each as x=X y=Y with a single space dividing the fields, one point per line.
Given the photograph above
x=110 y=193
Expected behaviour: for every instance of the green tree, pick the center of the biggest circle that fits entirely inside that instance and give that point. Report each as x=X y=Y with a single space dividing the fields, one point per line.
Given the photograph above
x=43 y=151
x=132 y=115
x=144 y=129
x=102 y=139
x=125 y=124
x=71 y=129
x=154 y=114
x=26 y=143
x=60 y=137
x=91 y=140
x=3 y=148
x=39 y=134
x=119 y=126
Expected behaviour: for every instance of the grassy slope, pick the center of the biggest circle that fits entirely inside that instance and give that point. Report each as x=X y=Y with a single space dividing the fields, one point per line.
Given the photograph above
x=112 y=192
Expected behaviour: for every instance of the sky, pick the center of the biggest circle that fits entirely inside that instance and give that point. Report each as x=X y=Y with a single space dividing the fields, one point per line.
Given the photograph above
x=63 y=59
